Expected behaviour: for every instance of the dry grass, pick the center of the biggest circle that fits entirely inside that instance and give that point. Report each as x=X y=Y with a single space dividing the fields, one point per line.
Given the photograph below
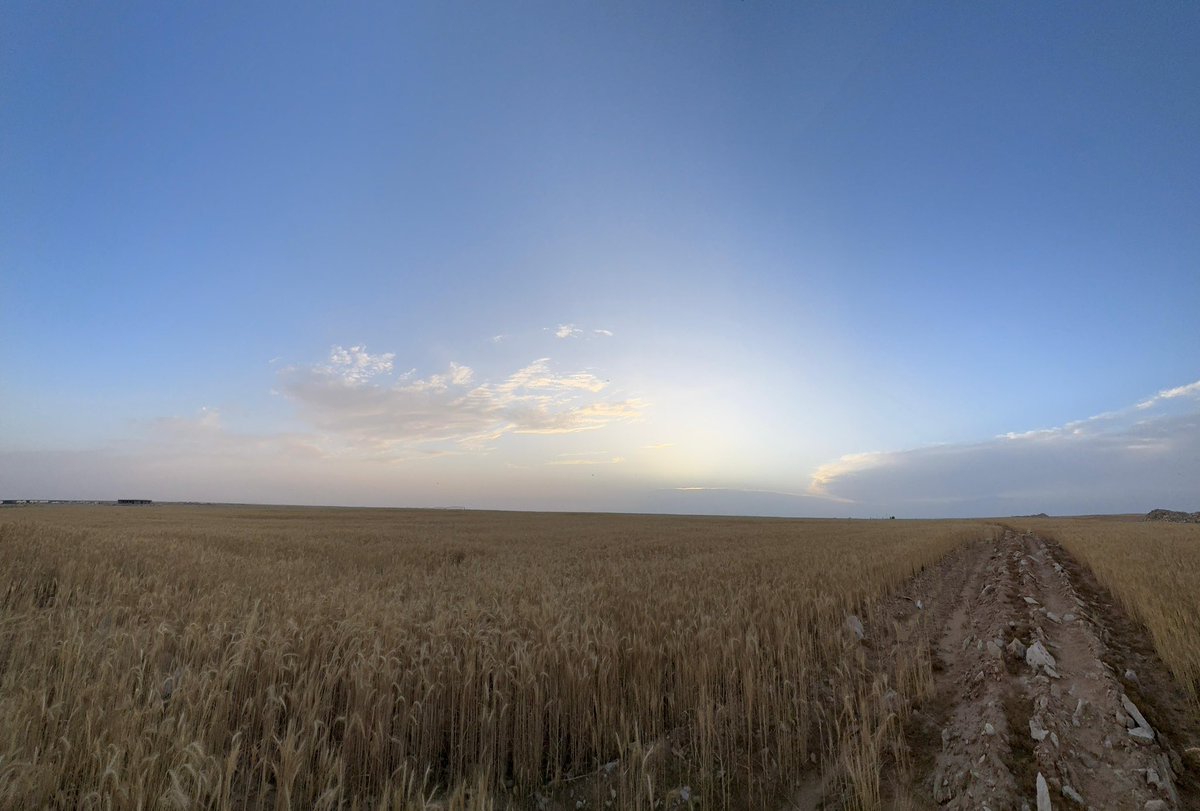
x=1153 y=569
x=173 y=657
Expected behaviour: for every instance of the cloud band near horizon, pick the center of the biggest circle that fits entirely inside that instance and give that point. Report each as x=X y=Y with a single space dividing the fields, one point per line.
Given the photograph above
x=1136 y=456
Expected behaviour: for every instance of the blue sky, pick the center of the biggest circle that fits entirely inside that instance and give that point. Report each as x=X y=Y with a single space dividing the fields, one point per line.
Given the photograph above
x=745 y=257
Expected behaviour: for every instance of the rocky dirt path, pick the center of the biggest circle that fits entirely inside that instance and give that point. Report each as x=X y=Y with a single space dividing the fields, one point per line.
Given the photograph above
x=1037 y=705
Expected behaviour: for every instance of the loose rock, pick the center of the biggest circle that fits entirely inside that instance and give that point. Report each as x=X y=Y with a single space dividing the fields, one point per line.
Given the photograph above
x=1141 y=734
x=1155 y=779
x=1037 y=656
x=1043 y=794
x=1137 y=716
x=1079 y=705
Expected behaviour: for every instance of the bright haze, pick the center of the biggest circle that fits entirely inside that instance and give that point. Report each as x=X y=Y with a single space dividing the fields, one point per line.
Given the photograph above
x=751 y=257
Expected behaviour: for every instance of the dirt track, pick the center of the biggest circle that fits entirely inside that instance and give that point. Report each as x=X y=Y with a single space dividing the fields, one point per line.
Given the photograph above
x=1003 y=713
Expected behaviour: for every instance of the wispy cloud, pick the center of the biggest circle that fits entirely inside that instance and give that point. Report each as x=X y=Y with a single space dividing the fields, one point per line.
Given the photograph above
x=362 y=433
x=537 y=375
x=1128 y=459
x=574 y=331
x=350 y=405
x=356 y=364
x=1190 y=390
x=495 y=339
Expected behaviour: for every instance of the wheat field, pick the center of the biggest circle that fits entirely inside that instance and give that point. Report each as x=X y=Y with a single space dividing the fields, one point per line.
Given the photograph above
x=270 y=658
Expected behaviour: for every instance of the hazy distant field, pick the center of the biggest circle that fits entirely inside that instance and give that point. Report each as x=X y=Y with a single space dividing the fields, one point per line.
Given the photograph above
x=272 y=658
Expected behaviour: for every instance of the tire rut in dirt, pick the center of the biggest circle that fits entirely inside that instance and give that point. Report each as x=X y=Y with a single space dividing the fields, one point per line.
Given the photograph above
x=1128 y=654
x=1087 y=746
x=1024 y=687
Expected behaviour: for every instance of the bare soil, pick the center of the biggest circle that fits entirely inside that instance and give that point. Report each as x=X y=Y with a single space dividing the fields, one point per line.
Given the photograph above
x=997 y=720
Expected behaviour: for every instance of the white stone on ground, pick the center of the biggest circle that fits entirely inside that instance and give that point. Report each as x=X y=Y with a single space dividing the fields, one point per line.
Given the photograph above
x=1037 y=656
x=1132 y=709
x=1043 y=794
x=1141 y=734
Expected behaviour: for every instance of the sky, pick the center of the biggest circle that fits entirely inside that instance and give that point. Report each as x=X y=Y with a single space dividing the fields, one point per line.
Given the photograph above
x=747 y=257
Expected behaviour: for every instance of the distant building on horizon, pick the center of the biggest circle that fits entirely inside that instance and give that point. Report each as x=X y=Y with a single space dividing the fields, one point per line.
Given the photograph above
x=134 y=501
